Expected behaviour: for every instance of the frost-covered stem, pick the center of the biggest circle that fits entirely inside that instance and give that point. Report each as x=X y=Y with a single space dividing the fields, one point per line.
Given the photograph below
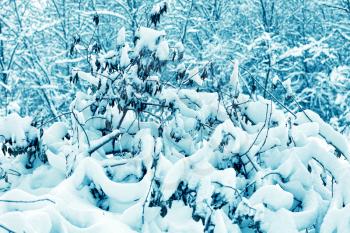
x=28 y=202
x=16 y=173
x=263 y=12
x=272 y=173
x=229 y=187
x=267 y=75
x=242 y=79
x=337 y=7
x=268 y=129
x=254 y=182
x=88 y=55
x=118 y=163
x=133 y=16
x=154 y=104
x=17 y=15
x=152 y=114
x=269 y=68
x=2 y=66
x=102 y=141
x=272 y=96
x=322 y=135
x=2 y=59
x=148 y=192
x=47 y=100
x=122 y=118
x=53 y=119
x=332 y=187
x=324 y=167
x=62 y=22
x=18 y=34
x=190 y=77
x=12 y=56
x=95 y=117
x=81 y=126
x=47 y=97
x=255 y=166
x=257 y=136
x=186 y=23
x=221 y=99
x=6 y=229
x=155 y=165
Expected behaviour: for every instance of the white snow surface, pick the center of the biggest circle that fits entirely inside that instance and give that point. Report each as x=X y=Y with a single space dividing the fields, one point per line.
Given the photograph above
x=163 y=51
x=121 y=37
x=124 y=57
x=148 y=38
x=15 y=128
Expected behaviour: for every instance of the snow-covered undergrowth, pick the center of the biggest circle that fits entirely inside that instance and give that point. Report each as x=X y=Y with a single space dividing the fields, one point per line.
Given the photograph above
x=146 y=155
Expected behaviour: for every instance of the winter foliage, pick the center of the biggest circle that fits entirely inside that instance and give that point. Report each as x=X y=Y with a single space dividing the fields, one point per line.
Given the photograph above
x=174 y=116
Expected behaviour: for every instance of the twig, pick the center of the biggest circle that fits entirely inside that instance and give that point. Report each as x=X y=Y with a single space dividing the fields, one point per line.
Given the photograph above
x=102 y=141
x=122 y=118
x=54 y=118
x=268 y=92
x=252 y=183
x=6 y=229
x=309 y=118
x=189 y=78
x=155 y=160
x=268 y=129
x=81 y=126
x=95 y=117
x=230 y=187
x=256 y=138
x=28 y=202
x=244 y=82
x=16 y=173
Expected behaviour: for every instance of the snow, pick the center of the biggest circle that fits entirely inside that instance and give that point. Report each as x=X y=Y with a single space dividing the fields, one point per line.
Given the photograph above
x=256 y=111
x=180 y=47
x=326 y=131
x=86 y=76
x=194 y=75
x=296 y=51
x=57 y=161
x=13 y=107
x=55 y=133
x=287 y=85
x=127 y=192
x=5 y=86
x=39 y=4
x=163 y=51
x=156 y=8
x=179 y=219
x=17 y=129
x=284 y=222
x=124 y=57
x=121 y=37
x=273 y=196
x=234 y=80
x=74 y=60
x=148 y=38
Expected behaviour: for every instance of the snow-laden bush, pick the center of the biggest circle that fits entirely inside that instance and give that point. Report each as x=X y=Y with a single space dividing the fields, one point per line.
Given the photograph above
x=149 y=155
x=19 y=137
